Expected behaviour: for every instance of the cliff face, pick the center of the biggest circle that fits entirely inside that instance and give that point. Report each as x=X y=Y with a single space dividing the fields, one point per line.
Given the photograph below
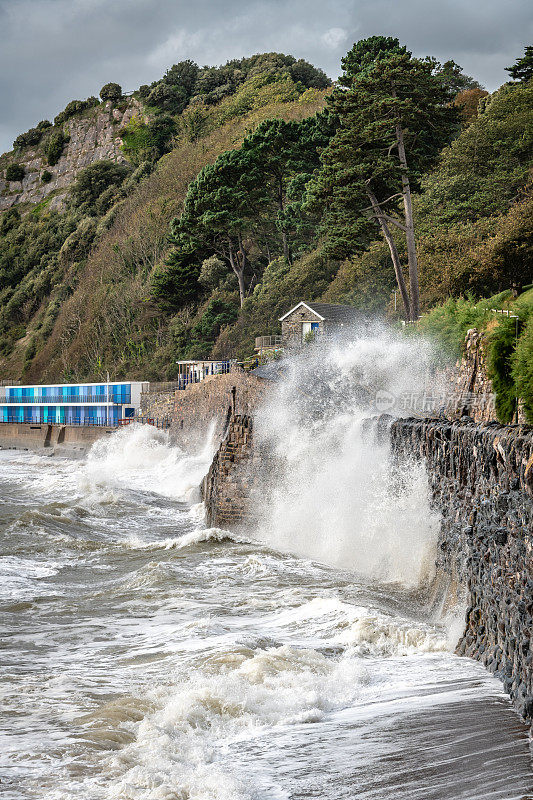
x=93 y=136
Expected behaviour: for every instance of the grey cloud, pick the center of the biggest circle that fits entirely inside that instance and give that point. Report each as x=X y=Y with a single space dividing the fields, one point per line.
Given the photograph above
x=57 y=50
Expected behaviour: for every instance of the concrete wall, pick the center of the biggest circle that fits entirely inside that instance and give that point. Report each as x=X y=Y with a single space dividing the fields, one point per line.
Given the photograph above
x=66 y=440
x=481 y=480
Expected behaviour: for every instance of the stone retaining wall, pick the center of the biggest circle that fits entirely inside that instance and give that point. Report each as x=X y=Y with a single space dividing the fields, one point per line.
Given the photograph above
x=194 y=409
x=481 y=479
x=233 y=477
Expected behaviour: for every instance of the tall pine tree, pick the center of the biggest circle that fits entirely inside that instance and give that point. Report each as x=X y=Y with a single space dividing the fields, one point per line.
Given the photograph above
x=394 y=117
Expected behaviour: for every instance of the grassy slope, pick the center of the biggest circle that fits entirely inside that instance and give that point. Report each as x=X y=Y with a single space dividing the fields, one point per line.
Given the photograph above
x=110 y=322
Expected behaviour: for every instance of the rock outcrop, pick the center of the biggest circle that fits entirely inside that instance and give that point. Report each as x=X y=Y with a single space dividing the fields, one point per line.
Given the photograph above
x=93 y=136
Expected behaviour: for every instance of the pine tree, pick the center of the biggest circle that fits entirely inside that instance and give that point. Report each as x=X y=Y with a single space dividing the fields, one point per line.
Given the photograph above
x=522 y=69
x=221 y=212
x=394 y=117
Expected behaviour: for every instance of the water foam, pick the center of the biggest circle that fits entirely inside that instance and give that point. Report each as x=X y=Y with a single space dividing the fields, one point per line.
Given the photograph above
x=333 y=499
x=141 y=457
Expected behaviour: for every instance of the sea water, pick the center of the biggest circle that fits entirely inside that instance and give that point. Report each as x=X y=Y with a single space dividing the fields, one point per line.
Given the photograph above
x=147 y=657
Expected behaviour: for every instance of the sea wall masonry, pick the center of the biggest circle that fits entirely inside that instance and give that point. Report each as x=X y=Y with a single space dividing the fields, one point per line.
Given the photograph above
x=481 y=482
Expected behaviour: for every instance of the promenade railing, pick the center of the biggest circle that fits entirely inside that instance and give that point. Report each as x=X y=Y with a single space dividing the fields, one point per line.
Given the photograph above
x=163 y=423
x=72 y=399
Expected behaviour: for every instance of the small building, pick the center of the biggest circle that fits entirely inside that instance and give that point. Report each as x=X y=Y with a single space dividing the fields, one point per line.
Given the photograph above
x=309 y=319
x=71 y=404
x=195 y=371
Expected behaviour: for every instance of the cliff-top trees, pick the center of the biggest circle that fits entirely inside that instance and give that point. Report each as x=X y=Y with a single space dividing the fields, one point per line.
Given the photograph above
x=221 y=212
x=395 y=117
x=112 y=92
x=522 y=69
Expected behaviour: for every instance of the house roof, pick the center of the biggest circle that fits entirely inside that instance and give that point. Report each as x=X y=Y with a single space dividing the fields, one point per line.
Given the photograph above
x=327 y=311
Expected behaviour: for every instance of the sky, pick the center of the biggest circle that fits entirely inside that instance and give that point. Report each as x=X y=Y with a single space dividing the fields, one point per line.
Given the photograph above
x=54 y=51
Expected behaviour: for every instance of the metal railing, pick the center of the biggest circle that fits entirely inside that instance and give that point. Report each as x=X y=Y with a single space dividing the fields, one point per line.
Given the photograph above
x=222 y=368
x=73 y=399
x=162 y=423
x=263 y=342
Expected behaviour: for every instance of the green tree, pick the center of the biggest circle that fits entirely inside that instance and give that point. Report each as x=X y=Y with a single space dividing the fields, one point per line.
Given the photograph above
x=281 y=152
x=522 y=69
x=92 y=181
x=453 y=77
x=221 y=212
x=112 y=92
x=15 y=172
x=395 y=116
x=183 y=74
x=177 y=282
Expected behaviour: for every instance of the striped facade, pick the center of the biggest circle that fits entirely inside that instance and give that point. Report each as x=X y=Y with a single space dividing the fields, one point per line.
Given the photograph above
x=71 y=404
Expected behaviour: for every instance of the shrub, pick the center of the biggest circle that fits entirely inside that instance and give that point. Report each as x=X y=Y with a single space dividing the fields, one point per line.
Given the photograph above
x=213 y=272
x=77 y=245
x=168 y=97
x=15 y=172
x=33 y=136
x=9 y=220
x=74 y=107
x=447 y=324
x=217 y=314
x=142 y=142
x=46 y=176
x=107 y=199
x=55 y=145
x=111 y=91
x=502 y=342
x=92 y=181
x=522 y=369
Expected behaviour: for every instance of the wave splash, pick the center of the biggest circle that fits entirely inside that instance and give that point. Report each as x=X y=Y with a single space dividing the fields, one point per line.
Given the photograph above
x=141 y=457
x=333 y=498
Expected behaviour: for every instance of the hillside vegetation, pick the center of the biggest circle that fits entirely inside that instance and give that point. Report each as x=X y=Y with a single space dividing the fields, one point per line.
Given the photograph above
x=249 y=187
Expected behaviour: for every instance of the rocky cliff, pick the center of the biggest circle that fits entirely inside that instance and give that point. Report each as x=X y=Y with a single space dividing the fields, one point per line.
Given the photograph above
x=92 y=136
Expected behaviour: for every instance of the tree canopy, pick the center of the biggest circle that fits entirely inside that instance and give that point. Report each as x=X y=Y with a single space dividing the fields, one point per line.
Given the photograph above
x=522 y=69
x=394 y=116
x=247 y=207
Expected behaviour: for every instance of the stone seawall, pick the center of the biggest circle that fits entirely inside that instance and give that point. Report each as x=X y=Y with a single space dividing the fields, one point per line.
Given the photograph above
x=227 y=488
x=193 y=410
x=481 y=481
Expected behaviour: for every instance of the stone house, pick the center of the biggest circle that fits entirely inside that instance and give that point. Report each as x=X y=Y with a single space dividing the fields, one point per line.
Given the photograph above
x=318 y=319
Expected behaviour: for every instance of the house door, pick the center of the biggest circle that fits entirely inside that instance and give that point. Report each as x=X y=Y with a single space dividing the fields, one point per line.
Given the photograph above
x=308 y=328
